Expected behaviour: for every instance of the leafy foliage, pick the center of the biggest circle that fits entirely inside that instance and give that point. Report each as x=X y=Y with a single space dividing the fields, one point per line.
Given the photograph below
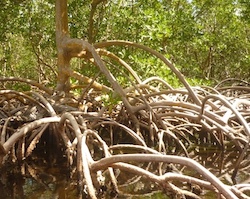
x=207 y=40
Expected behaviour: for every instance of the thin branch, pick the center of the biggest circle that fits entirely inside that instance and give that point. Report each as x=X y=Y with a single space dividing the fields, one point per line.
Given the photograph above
x=157 y=54
x=28 y=81
x=106 y=162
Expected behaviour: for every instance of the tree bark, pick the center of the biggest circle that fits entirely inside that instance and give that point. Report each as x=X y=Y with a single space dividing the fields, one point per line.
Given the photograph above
x=62 y=34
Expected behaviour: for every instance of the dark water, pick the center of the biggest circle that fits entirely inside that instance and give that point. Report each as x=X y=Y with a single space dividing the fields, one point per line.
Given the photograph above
x=36 y=182
x=48 y=181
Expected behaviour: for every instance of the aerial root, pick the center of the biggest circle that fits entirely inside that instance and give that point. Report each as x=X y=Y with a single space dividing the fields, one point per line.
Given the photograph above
x=153 y=134
x=83 y=140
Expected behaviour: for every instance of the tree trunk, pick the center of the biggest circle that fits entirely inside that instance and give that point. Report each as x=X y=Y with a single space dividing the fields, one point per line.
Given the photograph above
x=62 y=35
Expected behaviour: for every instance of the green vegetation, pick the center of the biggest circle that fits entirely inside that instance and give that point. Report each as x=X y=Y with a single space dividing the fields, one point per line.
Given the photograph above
x=207 y=40
x=89 y=90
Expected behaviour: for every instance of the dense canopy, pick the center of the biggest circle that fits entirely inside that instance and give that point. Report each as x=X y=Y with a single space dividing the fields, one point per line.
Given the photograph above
x=104 y=99
x=207 y=40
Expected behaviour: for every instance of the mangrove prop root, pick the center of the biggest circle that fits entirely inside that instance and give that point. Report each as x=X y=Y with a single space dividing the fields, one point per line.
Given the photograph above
x=137 y=133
